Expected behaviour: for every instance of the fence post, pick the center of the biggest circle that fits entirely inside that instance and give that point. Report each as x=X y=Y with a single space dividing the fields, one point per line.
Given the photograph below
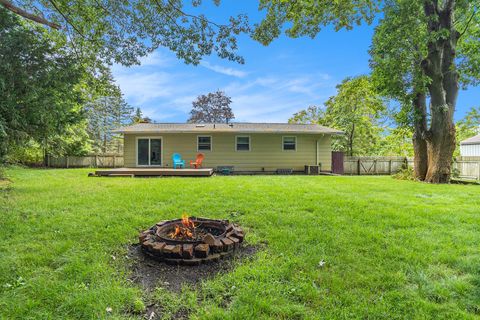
x=358 y=166
x=478 y=164
x=390 y=167
x=375 y=166
x=66 y=160
x=96 y=161
x=114 y=160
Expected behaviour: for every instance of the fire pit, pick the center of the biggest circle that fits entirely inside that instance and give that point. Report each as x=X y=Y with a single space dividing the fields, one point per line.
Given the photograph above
x=191 y=241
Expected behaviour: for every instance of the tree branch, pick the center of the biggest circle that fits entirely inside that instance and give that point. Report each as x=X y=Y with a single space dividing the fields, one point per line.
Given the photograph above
x=194 y=16
x=467 y=24
x=9 y=6
x=65 y=17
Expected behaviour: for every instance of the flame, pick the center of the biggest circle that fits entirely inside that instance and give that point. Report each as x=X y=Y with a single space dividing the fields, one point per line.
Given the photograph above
x=187 y=223
x=185 y=230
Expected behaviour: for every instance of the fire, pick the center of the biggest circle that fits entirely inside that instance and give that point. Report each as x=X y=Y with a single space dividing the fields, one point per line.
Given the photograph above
x=185 y=230
x=187 y=223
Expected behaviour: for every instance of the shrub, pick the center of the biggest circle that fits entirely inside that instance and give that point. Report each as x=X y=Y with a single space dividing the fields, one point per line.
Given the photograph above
x=405 y=173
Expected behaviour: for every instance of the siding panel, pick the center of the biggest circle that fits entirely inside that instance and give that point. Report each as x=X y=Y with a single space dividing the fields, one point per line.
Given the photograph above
x=266 y=151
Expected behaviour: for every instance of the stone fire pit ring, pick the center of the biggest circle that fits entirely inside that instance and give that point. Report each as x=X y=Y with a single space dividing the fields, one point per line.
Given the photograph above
x=222 y=240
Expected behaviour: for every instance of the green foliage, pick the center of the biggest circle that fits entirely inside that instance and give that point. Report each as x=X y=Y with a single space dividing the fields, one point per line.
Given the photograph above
x=399 y=46
x=467 y=127
x=39 y=85
x=397 y=142
x=123 y=31
x=381 y=240
x=306 y=18
x=357 y=110
x=105 y=114
x=138 y=306
x=29 y=152
x=406 y=173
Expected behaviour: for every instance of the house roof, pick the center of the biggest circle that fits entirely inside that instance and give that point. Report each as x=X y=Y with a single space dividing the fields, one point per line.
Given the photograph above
x=223 y=127
x=472 y=140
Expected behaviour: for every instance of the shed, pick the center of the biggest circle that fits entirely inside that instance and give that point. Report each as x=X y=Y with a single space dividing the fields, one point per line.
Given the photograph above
x=470 y=147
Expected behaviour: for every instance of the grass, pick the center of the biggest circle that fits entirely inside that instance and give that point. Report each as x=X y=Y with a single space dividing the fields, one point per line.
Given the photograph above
x=391 y=249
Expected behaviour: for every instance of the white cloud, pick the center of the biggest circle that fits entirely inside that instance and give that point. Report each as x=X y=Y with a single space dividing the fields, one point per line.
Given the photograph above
x=224 y=70
x=165 y=89
x=140 y=88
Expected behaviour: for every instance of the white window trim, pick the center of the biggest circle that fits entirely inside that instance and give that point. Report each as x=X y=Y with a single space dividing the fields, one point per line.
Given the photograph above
x=211 y=143
x=283 y=141
x=136 y=151
x=249 y=143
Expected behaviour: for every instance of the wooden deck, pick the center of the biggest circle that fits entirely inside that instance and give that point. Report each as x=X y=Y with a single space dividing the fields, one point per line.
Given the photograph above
x=132 y=172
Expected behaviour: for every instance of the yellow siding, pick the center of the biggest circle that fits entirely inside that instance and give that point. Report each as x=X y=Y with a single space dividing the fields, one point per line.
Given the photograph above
x=266 y=151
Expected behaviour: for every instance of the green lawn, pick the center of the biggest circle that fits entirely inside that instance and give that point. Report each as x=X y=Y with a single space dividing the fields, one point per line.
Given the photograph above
x=392 y=249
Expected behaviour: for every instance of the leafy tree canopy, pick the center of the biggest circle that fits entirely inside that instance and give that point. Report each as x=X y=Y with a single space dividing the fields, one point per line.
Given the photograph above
x=122 y=31
x=40 y=84
x=211 y=108
x=358 y=110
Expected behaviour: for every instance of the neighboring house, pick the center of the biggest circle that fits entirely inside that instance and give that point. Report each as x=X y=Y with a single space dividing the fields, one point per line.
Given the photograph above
x=470 y=147
x=248 y=147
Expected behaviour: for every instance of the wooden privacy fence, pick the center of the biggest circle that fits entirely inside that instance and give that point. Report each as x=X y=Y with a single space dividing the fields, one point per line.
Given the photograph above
x=467 y=168
x=463 y=167
x=374 y=165
x=90 y=161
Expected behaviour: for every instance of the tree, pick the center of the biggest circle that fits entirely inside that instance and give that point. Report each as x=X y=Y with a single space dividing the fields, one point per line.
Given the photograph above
x=139 y=117
x=104 y=115
x=403 y=70
x=311 y=115
x=211 y=108
x=436 y=28
x=122 y=31
x=357 y=110
x=40 y=85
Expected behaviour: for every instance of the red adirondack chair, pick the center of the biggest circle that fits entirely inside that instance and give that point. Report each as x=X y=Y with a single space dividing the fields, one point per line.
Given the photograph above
x=197 y=163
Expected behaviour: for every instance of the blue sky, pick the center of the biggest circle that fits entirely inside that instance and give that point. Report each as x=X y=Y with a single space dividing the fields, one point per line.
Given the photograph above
x=275 y=81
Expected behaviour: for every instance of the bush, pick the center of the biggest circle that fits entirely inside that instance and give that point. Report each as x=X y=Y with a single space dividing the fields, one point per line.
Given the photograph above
x=405 y=173
x=2 y=172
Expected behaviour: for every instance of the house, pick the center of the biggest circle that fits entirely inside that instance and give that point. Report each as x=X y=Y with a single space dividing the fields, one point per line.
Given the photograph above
x=470 y=147
x=247 y=147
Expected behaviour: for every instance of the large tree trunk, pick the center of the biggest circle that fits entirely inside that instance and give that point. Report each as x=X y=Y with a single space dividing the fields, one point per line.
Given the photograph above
x=439 y=66
x=420 y=159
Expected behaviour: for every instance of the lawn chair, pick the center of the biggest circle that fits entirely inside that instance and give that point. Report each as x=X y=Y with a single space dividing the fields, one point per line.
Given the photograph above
x=197 y=163
x=177 y=161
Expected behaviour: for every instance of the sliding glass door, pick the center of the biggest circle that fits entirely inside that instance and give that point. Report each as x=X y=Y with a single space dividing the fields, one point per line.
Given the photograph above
x=149 y=151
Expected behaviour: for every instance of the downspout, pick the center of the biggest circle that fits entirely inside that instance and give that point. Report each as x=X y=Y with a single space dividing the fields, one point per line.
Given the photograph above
x=316 y=152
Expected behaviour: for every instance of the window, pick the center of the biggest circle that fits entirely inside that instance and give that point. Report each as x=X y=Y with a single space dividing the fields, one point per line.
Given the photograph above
x=204 y=143
x=289 y=143
x=243 y=143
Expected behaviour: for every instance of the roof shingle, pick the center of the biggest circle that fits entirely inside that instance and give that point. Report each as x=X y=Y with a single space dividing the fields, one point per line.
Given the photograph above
x=472 y=140
x=223 y=127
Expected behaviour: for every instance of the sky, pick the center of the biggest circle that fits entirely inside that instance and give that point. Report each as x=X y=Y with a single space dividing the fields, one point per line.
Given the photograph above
x=275 y=82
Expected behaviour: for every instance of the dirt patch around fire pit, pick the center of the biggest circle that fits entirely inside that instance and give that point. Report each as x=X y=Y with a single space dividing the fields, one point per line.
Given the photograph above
x=150 y=273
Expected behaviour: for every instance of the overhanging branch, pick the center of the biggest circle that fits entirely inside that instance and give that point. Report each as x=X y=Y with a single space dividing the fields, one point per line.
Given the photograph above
x=9 y=6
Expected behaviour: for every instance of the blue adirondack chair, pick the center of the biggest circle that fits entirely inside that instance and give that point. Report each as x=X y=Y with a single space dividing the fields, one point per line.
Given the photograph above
x=177 y=161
